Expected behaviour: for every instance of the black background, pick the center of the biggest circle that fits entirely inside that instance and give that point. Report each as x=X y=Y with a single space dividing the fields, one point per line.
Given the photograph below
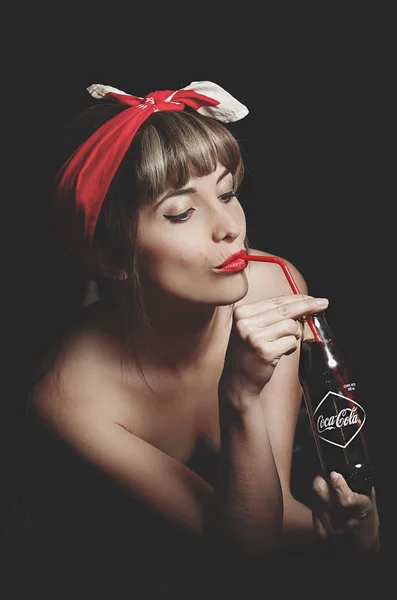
x=318 y=143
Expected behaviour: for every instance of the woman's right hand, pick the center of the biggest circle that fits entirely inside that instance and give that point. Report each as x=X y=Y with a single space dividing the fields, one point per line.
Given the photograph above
x=262 y=332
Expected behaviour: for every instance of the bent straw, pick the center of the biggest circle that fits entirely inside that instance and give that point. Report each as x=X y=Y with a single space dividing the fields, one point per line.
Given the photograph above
x=291 y=281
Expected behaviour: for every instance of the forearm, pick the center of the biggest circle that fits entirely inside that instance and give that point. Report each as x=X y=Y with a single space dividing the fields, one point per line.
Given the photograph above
x=248 y=498
x=298 y=531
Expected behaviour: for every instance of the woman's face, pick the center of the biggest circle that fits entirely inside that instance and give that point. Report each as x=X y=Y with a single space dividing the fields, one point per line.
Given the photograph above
x=185 y=234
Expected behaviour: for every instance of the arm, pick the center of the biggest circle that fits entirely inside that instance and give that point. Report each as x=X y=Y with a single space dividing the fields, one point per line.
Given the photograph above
x=77 y=407
x=303 y=528
x=281 y=401
x=247 y=497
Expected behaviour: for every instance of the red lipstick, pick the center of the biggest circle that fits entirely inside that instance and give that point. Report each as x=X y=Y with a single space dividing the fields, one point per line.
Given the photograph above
x=235 y=262
x=231 y=258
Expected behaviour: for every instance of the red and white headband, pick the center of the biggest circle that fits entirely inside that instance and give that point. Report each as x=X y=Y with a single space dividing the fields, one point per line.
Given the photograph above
x=87 y=174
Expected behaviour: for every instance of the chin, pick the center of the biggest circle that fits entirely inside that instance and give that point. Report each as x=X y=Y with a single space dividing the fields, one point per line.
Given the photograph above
x=235 y=293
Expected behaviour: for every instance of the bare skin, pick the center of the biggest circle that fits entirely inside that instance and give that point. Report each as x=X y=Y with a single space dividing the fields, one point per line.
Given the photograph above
x=211 y=378
x=183 y=411
x=183 y=406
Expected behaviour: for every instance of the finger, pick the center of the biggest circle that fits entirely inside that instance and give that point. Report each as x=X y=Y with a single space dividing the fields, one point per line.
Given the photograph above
x=271 y=352
x=319 y=527
x=321 y=492
x=271 y=333
x=331 y=525
x=324 y=508
x=260 y=306
x=287 y=310
x=353 y=504
x=295 y=310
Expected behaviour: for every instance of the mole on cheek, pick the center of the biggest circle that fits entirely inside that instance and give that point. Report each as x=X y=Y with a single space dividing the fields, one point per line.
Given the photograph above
x=184 y=258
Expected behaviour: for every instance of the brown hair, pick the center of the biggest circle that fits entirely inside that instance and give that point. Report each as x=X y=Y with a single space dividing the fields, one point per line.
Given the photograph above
x=169 y=149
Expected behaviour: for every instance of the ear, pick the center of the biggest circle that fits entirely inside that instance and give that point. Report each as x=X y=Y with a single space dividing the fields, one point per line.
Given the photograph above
x=105 y=269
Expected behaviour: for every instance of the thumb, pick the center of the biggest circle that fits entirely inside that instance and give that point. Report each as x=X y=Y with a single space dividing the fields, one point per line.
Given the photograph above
x=357 y=505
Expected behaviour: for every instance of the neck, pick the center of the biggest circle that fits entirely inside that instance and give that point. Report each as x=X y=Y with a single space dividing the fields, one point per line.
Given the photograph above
x=182 y=336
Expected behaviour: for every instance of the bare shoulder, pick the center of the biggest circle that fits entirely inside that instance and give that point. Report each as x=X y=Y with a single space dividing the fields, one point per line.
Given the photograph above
x=80 y=371
x=267 y=279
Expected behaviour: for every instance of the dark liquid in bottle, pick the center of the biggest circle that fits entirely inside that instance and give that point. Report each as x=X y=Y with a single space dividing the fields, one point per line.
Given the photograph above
x=336 y=417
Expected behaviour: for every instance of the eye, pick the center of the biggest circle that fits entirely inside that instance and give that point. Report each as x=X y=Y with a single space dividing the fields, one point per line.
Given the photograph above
x=181 y=217
x=185 y=215
x=227 y=197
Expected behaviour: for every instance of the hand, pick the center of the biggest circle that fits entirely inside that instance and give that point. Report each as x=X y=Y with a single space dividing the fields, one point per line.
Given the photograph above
x=261 y=334
x=344 y=516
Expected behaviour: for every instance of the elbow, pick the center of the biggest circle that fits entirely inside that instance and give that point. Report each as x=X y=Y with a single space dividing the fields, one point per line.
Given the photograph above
x=254 y=545
x=264 y=540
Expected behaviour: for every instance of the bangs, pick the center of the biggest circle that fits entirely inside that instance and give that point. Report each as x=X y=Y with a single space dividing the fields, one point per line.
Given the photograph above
x=176 y=147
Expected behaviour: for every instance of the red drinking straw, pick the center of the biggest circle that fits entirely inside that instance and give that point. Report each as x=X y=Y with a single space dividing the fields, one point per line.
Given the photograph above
x=291 y=281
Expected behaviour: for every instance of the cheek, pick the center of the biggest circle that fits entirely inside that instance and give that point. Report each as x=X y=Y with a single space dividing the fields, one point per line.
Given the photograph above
x=170 y=252
x=188 y=253
x=185 y=259
x=182 y=243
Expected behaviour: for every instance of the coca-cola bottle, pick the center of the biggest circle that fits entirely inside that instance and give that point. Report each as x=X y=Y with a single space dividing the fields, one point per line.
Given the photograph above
x=336 y=415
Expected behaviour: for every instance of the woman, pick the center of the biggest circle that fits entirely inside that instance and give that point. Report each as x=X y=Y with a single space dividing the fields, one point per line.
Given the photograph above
x=165 y=393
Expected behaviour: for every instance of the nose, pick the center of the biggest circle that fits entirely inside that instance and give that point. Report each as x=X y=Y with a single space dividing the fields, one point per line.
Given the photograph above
x=225 y=224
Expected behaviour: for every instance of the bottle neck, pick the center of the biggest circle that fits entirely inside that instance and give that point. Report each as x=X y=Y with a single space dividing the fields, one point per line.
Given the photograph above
x=321 y=325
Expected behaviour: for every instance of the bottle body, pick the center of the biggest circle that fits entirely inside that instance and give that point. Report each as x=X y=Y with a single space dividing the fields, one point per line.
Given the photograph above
x=336 y=416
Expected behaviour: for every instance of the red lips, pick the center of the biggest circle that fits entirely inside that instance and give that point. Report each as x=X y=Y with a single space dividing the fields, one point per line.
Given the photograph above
x=232 y=258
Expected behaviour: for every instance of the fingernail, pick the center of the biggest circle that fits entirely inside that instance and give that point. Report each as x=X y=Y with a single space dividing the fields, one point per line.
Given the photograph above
x=322 y=301
x=334 y=476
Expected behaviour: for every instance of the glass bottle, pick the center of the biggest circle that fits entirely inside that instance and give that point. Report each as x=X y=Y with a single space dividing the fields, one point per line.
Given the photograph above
x=336 y=416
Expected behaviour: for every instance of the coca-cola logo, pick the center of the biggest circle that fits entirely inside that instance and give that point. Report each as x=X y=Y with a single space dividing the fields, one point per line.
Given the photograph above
x=338 y=419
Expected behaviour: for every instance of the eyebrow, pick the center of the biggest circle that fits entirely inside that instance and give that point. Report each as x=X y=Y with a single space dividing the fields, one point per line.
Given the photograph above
x=188 y=190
